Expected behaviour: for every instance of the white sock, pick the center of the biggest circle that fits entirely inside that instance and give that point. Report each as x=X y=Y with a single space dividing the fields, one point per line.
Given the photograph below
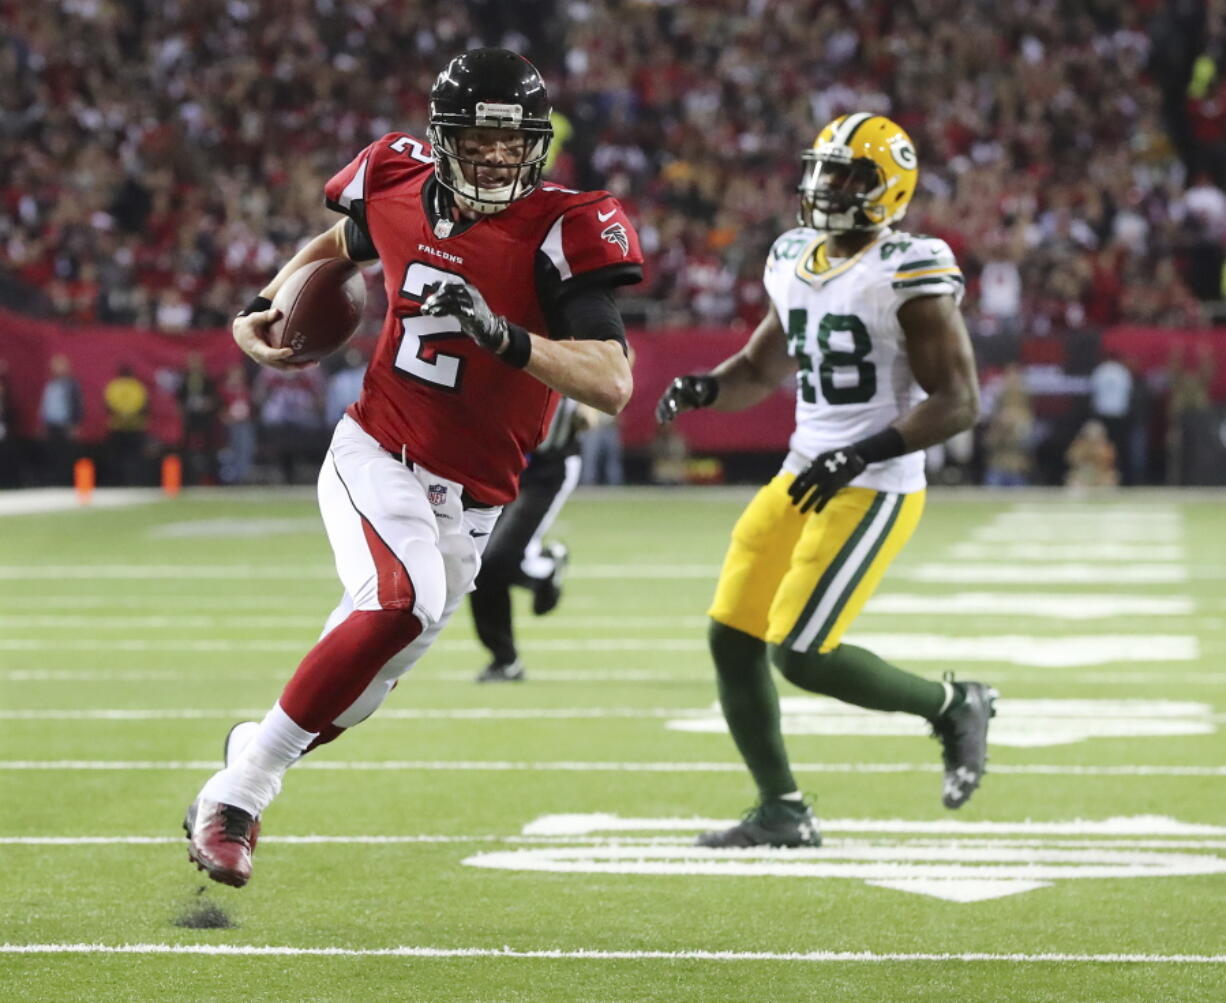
x=254 y=778
x=794 y=796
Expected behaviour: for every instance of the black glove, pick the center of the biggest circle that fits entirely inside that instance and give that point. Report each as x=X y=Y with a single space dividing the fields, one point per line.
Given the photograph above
x=822 y=479
x=686 y=393
x=477 y=320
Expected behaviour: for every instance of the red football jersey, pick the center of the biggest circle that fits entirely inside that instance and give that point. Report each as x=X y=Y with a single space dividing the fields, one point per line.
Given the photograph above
x=454 y=407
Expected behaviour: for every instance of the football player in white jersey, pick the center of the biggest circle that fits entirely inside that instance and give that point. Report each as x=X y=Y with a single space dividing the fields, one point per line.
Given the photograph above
x=867 y=319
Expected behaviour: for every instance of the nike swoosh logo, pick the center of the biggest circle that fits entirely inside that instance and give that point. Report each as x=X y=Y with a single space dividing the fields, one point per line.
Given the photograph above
x=475 y=535
x=602 y=216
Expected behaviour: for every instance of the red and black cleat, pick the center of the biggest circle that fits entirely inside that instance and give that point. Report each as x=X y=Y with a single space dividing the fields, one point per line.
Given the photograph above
x=220 y=841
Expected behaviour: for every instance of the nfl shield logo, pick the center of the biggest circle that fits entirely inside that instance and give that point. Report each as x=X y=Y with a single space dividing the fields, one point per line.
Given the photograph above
x=436 y=494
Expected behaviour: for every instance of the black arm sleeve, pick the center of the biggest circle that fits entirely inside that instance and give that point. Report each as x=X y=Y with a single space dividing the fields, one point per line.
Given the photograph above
x=588 y=314
x=358 y=244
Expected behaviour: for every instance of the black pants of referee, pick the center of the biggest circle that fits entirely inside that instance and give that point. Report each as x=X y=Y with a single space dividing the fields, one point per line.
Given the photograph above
x=543 y=489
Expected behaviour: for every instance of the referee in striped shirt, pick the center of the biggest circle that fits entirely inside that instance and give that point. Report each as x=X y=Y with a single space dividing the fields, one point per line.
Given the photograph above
x=516 y=553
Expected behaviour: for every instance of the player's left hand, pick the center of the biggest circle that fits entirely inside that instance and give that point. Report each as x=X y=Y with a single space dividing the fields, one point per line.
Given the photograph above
x=822 y=479
x=477 y=320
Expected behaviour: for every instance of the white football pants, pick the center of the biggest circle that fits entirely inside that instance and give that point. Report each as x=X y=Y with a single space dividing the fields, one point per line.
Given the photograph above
x=402 y=540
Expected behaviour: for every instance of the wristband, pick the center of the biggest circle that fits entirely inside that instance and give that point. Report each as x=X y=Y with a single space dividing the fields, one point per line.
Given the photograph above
x=257 y=305
x=518 y=347
x=884 y=445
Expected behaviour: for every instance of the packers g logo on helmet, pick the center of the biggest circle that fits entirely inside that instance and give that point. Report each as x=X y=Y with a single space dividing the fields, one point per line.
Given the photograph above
x=860 y=174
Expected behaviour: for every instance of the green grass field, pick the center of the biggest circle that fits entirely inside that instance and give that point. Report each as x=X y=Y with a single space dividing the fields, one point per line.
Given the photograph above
x=530 y=842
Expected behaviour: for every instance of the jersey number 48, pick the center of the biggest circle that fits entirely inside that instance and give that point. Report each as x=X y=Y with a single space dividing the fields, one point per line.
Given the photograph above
x=846 y=363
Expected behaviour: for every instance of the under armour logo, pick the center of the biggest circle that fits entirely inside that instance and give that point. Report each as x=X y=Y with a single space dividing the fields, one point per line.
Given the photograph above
x=616 y=234
x=834 y=462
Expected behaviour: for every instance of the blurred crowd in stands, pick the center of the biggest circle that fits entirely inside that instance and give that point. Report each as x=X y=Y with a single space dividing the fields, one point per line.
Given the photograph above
x=160 y=158
x=246 y=425
x=252 y=425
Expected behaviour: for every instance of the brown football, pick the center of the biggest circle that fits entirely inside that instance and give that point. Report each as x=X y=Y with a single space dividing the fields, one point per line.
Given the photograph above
x=321 y=305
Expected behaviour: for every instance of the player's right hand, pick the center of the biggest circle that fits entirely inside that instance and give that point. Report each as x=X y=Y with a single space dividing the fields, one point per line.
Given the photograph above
x=686 y=393
x=825 y=477
x=250 y=332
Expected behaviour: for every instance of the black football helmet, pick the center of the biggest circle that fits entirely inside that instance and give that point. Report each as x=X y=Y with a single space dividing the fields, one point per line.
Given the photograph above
x=489 y=89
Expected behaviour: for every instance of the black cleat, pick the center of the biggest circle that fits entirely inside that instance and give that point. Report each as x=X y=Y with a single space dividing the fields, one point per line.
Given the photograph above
x=497 y=672
x=769 y=823
x=547 y=592
x=963 y=733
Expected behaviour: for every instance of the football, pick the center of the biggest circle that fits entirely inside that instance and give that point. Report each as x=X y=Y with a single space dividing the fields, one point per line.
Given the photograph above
x=321 y=304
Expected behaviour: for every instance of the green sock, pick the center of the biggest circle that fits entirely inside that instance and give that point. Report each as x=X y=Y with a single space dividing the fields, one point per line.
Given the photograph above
x=751 y=707
x=857 y=676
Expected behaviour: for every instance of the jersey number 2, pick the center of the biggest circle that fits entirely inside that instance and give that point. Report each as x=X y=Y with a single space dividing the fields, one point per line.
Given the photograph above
x=414 y=357
x=864 y=388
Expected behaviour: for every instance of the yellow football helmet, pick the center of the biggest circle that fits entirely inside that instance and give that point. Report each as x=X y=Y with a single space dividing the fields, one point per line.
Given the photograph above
x=859 y=174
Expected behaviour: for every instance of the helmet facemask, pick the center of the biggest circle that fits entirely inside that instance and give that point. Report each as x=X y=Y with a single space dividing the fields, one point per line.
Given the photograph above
x=490 y=127
x=483 y=183
x=839 y=192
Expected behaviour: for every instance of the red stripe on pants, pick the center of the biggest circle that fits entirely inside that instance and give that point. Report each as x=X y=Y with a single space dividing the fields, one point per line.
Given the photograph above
x=395 y=586
x=342 y=664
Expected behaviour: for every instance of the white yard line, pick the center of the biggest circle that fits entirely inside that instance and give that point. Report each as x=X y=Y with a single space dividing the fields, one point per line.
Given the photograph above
x=390 y=713
x=1060 y=606
x=558 y=954
x=508 y=766
x=291 y=840
x=187 y=572
x=692 y=826
x=1053 y=651
x=179 y=572
x=46 y=600
x=1094 y=603
x=109 y=621
x=1029 y=550
x=233 y=528
x=1087 y=677
x=1026 y=574
x=36 y=501
x=1062 y=651
x=150 y=675
x=1118 y=826
x=646 y=645
x=1121 y=830
x=1094 y=515
x=1050 y=712
x=105 y=621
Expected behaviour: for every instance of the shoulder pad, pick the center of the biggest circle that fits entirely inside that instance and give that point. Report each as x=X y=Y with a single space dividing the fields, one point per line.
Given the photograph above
x=921 y=265
x=590 y=232
x=791 y=245
x=396 y=158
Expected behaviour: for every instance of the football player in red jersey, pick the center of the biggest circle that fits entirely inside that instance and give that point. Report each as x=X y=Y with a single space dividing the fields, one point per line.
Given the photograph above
x=500 y=299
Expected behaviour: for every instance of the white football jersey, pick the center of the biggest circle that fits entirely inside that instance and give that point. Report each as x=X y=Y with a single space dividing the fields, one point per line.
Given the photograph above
x=841 y=319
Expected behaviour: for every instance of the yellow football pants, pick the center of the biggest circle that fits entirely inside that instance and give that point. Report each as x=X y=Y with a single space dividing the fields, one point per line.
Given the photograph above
x=800 y=580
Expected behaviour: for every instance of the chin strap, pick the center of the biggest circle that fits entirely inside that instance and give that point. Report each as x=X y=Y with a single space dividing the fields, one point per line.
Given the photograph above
x=484 y=208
